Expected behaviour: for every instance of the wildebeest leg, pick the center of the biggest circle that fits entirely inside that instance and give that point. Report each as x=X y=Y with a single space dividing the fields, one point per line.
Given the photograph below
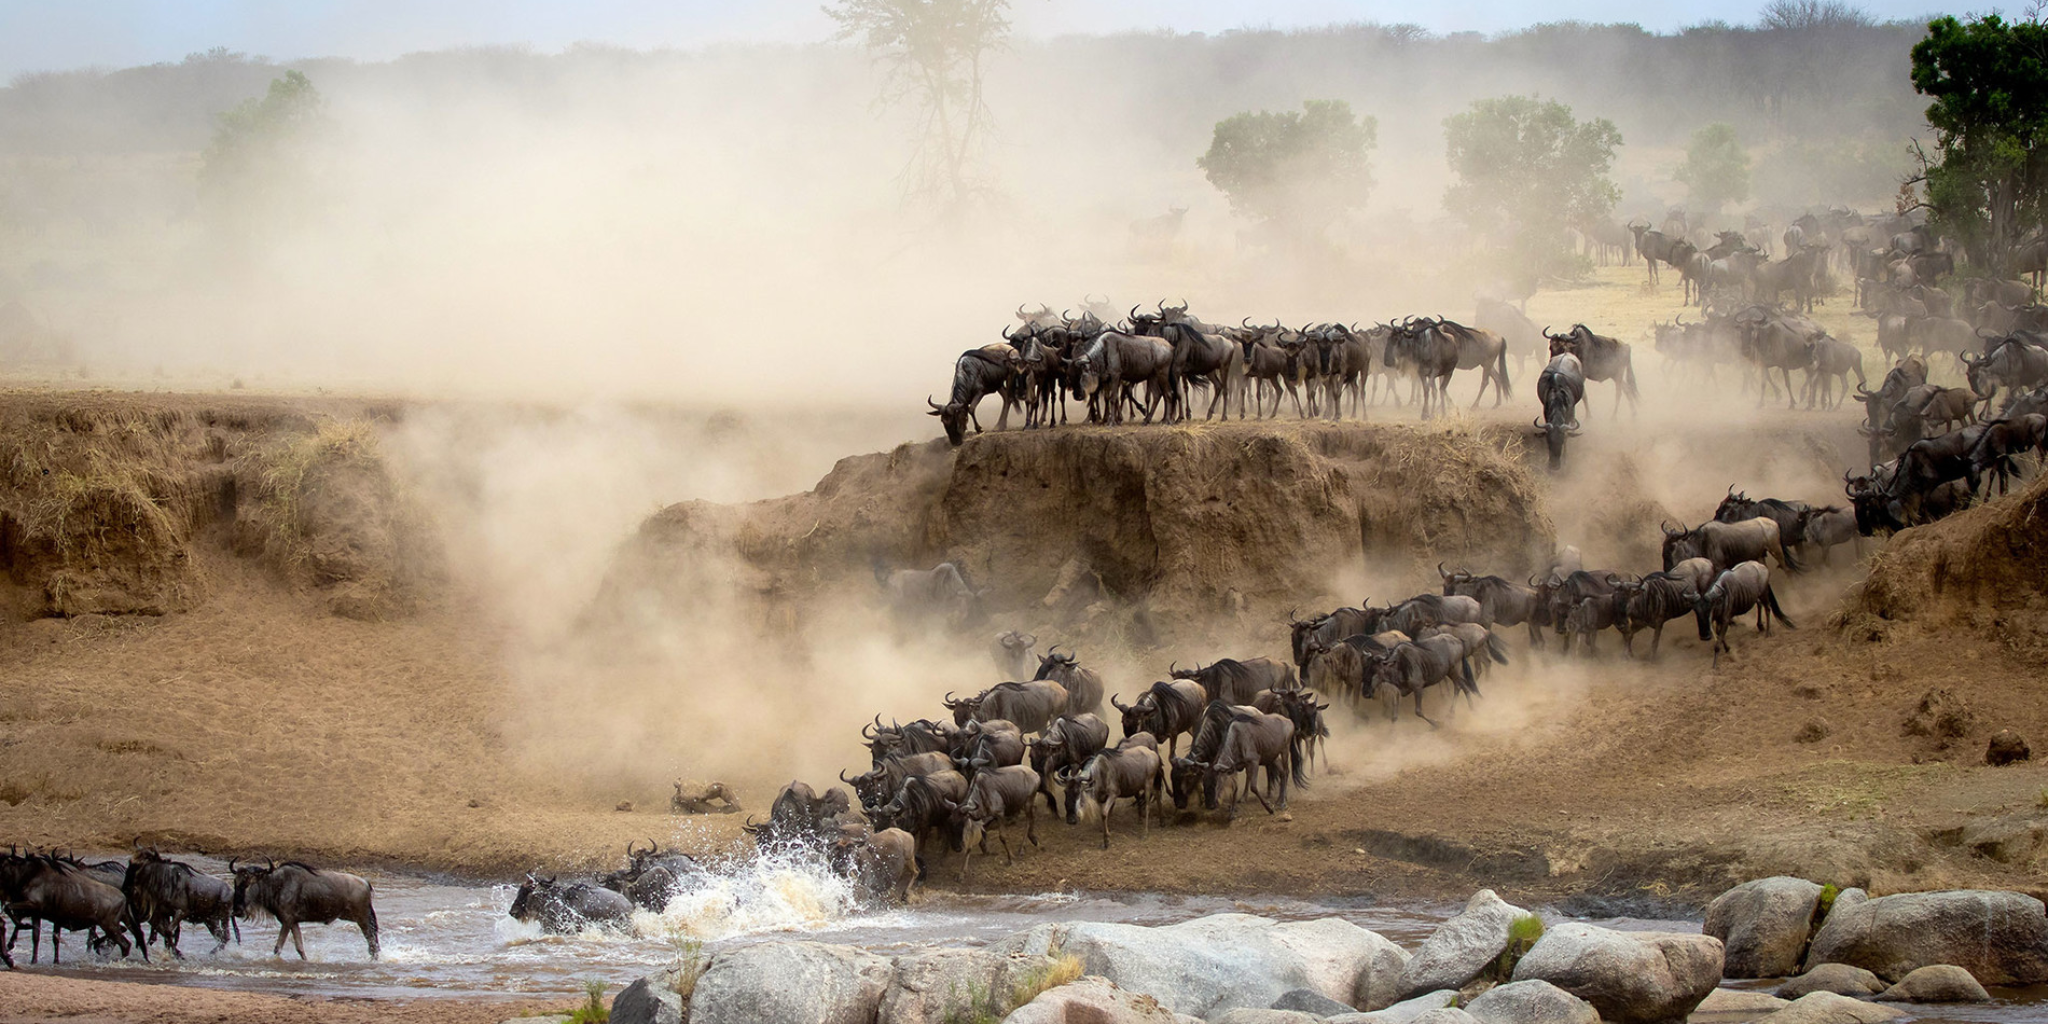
x=1031 y=823
x=1002 y=836
x=1418 y=710
x=1106 y=807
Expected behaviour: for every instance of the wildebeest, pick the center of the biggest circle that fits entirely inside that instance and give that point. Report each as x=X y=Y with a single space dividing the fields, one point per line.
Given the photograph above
x=1412 y=615
x=991 y=744
x=1735 y=591
x=652 y=876
x=995 y=798
x=63 y=893
x=881 y=863
x=1791 y=516
x=1480 y=644
x=1415 y=666
x=1322 y=631
x=1566 y=593
x=1234 y=681
x=1726 y=544
x=1252 y=741
x=165 y=894
x=1830 y=526
x=940 y=592
x=802 y=816
x=1084 y=685
x=2004 y=438
x=923 y=736
x=1171 y=707
x=560 y=909
x=1069 y=741
x=1013 y=653
x=799 y=816
x=1648 y=602
x=1601 y=358
x=1652 y=246
x=1306 y=712
x=978 y=373
x=1031 y=705
x=1502 y=602
x=1133 y=770
x=1104 y=370
x=1560 y=389
x=1827 y=360
x=2011 y=363
x=293 y=893
x=920 y=806
x=1523 y=337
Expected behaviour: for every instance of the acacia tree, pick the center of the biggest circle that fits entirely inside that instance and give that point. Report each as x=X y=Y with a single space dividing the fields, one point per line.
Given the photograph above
x=1526 y=169
x=1987 y=182
x=1296 y=170
x=257 y=166
x=1716 y=168
x=932 y=53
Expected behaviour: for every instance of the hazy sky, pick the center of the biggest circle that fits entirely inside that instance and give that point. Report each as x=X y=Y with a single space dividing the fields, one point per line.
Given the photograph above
x=40 y=35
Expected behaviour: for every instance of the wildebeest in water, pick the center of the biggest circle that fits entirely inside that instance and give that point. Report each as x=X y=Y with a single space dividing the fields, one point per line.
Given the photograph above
x=293 y=893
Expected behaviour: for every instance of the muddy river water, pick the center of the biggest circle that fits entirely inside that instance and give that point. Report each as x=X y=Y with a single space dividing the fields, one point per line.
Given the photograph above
x=443 y=938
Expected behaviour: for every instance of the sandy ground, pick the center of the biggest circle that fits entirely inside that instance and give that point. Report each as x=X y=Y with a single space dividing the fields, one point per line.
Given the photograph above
x=28 y=998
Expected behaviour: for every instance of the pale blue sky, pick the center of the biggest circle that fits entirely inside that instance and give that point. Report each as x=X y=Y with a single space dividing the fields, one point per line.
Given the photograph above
x=38 y=35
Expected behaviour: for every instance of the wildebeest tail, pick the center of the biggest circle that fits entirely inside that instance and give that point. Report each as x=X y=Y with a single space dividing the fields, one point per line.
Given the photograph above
x=1505 y=385
x=1297 y=763
x=1465 y=680
x=1771 y=602
x=1496 y=647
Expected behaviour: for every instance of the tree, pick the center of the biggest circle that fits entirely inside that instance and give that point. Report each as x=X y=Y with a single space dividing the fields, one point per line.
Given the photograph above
x=933 y=53
x=1296 y=170
x=1987 y=183
x=1797 y=15
x=257 y=164
x=1716 y=168
x=1526 y=169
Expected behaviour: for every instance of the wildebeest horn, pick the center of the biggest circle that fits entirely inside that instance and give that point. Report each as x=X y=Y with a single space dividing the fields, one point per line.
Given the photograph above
x=1440 y=571
x=1539 y=424
x=1020 y=311
x=1134 y=314
x=1117 y=704
x=1006 y=333
x=1664 y=525
x=1174 y=666
x=1030 y=639
x=936 y=407
x=842 y=778
x=1613 y=580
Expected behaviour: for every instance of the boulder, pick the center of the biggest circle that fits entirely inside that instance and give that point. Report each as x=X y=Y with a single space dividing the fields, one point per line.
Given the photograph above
x=2001 y=938
x=1763 y=925
x=1404 y=1012
x=1310 y=1002
x=1734 y=1001
x=1629 y=977
x=1211 y=964
x=1829 y=1008
x=1841 y=979
x=1247 y=1015
x=1940 y=983
x=1447 y=1015
x=2006 y=747
x=1091 y=999
x=791 y=983
x=948 y=984
x=650 y=1000
x=1531 y=1002
x=1463 y=946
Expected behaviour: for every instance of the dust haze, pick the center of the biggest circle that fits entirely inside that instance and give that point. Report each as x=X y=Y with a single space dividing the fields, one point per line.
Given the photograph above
x=627 y=279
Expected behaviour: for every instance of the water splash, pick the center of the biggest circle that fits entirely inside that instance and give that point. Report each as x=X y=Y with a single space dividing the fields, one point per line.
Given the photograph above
x=770 y=892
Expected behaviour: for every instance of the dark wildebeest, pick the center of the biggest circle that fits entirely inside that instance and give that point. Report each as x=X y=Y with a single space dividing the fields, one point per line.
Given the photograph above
x=1306 y=712
x=882 y=864
x=1910 y=373
x=1013 y=654
x=1413 y=667
x=1323 y=631
x=2010 y=363
x=1648 y=602
x=1602 y=358
x=1031 y=705
x=1560 y=389
x=2001 y=440
x=1197 y=356
x=1739 y=589
x=1253 y=741
x=991 y=744
x=652 y=876
x=1235 y=682
x=807 y=819
x=1186 y=774
x=1652 y=246
x=1502 y=602
x=1068 y=742
x=1791 y=516
x=920 y=806
x=1084 y=685
x=1412 y=615
x=1171 y=707
x=71 y=898
x=799 y=816
x=1773 y=341
x=165 y=894
x=1431 y=354
x=1569 y=591
x=995 y=798
x=565 y=909
x=292 y=894
x=923 y=736
x=1726 y=544
x=940 y=592
x=1134 y=769
x=978 y=373
x=1104 y=370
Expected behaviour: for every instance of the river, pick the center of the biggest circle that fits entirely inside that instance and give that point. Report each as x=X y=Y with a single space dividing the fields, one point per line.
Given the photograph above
x=449 y=938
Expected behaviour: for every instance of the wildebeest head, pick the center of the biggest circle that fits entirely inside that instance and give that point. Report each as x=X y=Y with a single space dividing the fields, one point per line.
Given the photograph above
x=251 y=882
x=1679 y=544
x=963 y=708
x=525 y=903
x=1561 y=343
x=952 y=416
x=1134 y=715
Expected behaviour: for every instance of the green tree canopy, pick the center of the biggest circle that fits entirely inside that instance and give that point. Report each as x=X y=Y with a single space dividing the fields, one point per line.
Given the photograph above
x=1526 y=169
x=1987 y=183
x=1716 y=168
x=1298 y=170
x=257 y=162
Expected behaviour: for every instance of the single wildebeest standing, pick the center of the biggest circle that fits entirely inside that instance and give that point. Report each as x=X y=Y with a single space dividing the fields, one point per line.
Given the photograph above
x=292 y=894
x=1323 y=632
x=995 y=798
x=1502 y=602
x=1831 y=526
x=1560 y=389
x=920 y=806
x=1030 y=705
x=1726 y=544
x=1234 y=681
x=1413 y=667
x=1069 y=741
x=1648 y=602
x=991 y=744
x=978 y=373
x=1084 y=685
x=561 y=909
x=1253 y=741
x=1168 y=709
x=1133 y=770
x=874 y=787
x=1013 y=654
x=1602 y=358
x=1741 y=588
x=164 y=894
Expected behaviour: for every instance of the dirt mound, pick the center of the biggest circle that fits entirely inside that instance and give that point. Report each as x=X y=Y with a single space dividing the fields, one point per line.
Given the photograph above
x=1985 y=565
x=1183 y=524
x=106 y=497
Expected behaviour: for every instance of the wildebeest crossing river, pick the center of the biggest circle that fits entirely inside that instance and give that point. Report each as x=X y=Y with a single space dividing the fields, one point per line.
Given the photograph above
x=443 y=937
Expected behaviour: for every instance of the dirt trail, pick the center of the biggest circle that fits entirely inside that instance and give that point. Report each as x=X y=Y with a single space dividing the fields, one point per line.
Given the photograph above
x=259 y=720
